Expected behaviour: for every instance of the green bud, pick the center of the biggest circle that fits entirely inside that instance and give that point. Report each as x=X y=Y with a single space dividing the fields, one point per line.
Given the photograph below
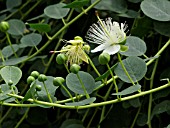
x=4 y=26
x=78 y=38
x=58 y=81
x=61 y=58
x=42 y=77
x=75 y=68
x=38 y=87
x=35 y=74
x=10 y=82
x=104 y=58
x=123 y=42
x=86 y=48
x=30 y=79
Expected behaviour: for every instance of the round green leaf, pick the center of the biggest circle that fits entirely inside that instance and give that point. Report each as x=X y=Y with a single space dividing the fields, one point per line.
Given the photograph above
x=7 y=51
x=118 y=6
x=14 y=61
x=162 y=28
x=129 y=90
x=74 y=84
x=32 y=39
x=11 y=4
x=50 y=87
x=16 y=27
x=156 y=9
x=72 y=123
x=135 y=66
x=11 y=73
x=129 y=14
x=56 y=11
x=137 y=47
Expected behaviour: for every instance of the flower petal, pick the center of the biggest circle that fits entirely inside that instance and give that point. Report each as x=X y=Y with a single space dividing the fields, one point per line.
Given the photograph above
x=100 y=47
x=112 y=49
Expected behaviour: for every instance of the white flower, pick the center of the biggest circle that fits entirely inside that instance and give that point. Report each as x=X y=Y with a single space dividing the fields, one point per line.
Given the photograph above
x=109 y=35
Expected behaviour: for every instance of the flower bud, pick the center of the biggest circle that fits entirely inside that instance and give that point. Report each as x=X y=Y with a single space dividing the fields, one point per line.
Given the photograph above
x=30 y=79
x=10 y=82
x=75 y=68
x=58 y=81
x=35 y=74
x=4 y=26
x=61 y=58
x=78 y=38
x=42 y=77
x=38 y=87
x=104 y=58
x=86 y=48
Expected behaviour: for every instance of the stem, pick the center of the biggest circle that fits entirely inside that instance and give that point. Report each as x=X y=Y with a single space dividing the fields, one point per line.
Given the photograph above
x=48 y=95
x=159 y=52
x=23 y=117
x=82 y=84
x=136 y=116
x=7 y=35
x=6 y=114
x=86 y=106
x=85 y=115
x=88 y=126
x=151 y=86
x=126 y=72
x=67 y=92
x=114 y=81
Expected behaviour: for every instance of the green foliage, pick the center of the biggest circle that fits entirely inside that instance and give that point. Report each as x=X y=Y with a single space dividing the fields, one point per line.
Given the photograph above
x=127 y=89
x=135 y=66
x=75 y=85
x=11 y=73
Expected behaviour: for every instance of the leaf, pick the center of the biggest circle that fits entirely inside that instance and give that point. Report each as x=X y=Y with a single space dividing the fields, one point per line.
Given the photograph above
x=118 y=6
x=16 y=27
x=41 y=27
x=129 y=14
x=168 y=126
x=32 y=39
x=74 y=84
x=82 y=102
x=77 y=4
x=142 y=119
x=7 y=51
x=56 y=11
x=162 y=28
x=14 y=61
x=10 y=4
x=5 y=90
x=30 y=93
x=135 y=66
x=135 y=102
x=161 y=107
x=129 y=90
x=42 y=95
x=72 y=123
x=107 y=73
x=156 y=9
x=137 y=47
x=11 y=73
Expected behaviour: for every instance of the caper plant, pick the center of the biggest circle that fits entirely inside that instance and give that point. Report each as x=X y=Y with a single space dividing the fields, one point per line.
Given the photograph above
x=84 y=63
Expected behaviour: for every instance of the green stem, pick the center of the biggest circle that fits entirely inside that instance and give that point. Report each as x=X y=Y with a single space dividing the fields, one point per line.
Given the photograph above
x=67 y=92
x=48 y=95
x=65 y=65
x=85 y=115
x=7 y=35
x=88 y=126
x=30 y=9
x=86 y=106
x=126 y=72
x=82 y=84
x=136 y=116
x=6 y=114
x=114 y=81
x=151 y=86
x=159 y=52
x=23 y=117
